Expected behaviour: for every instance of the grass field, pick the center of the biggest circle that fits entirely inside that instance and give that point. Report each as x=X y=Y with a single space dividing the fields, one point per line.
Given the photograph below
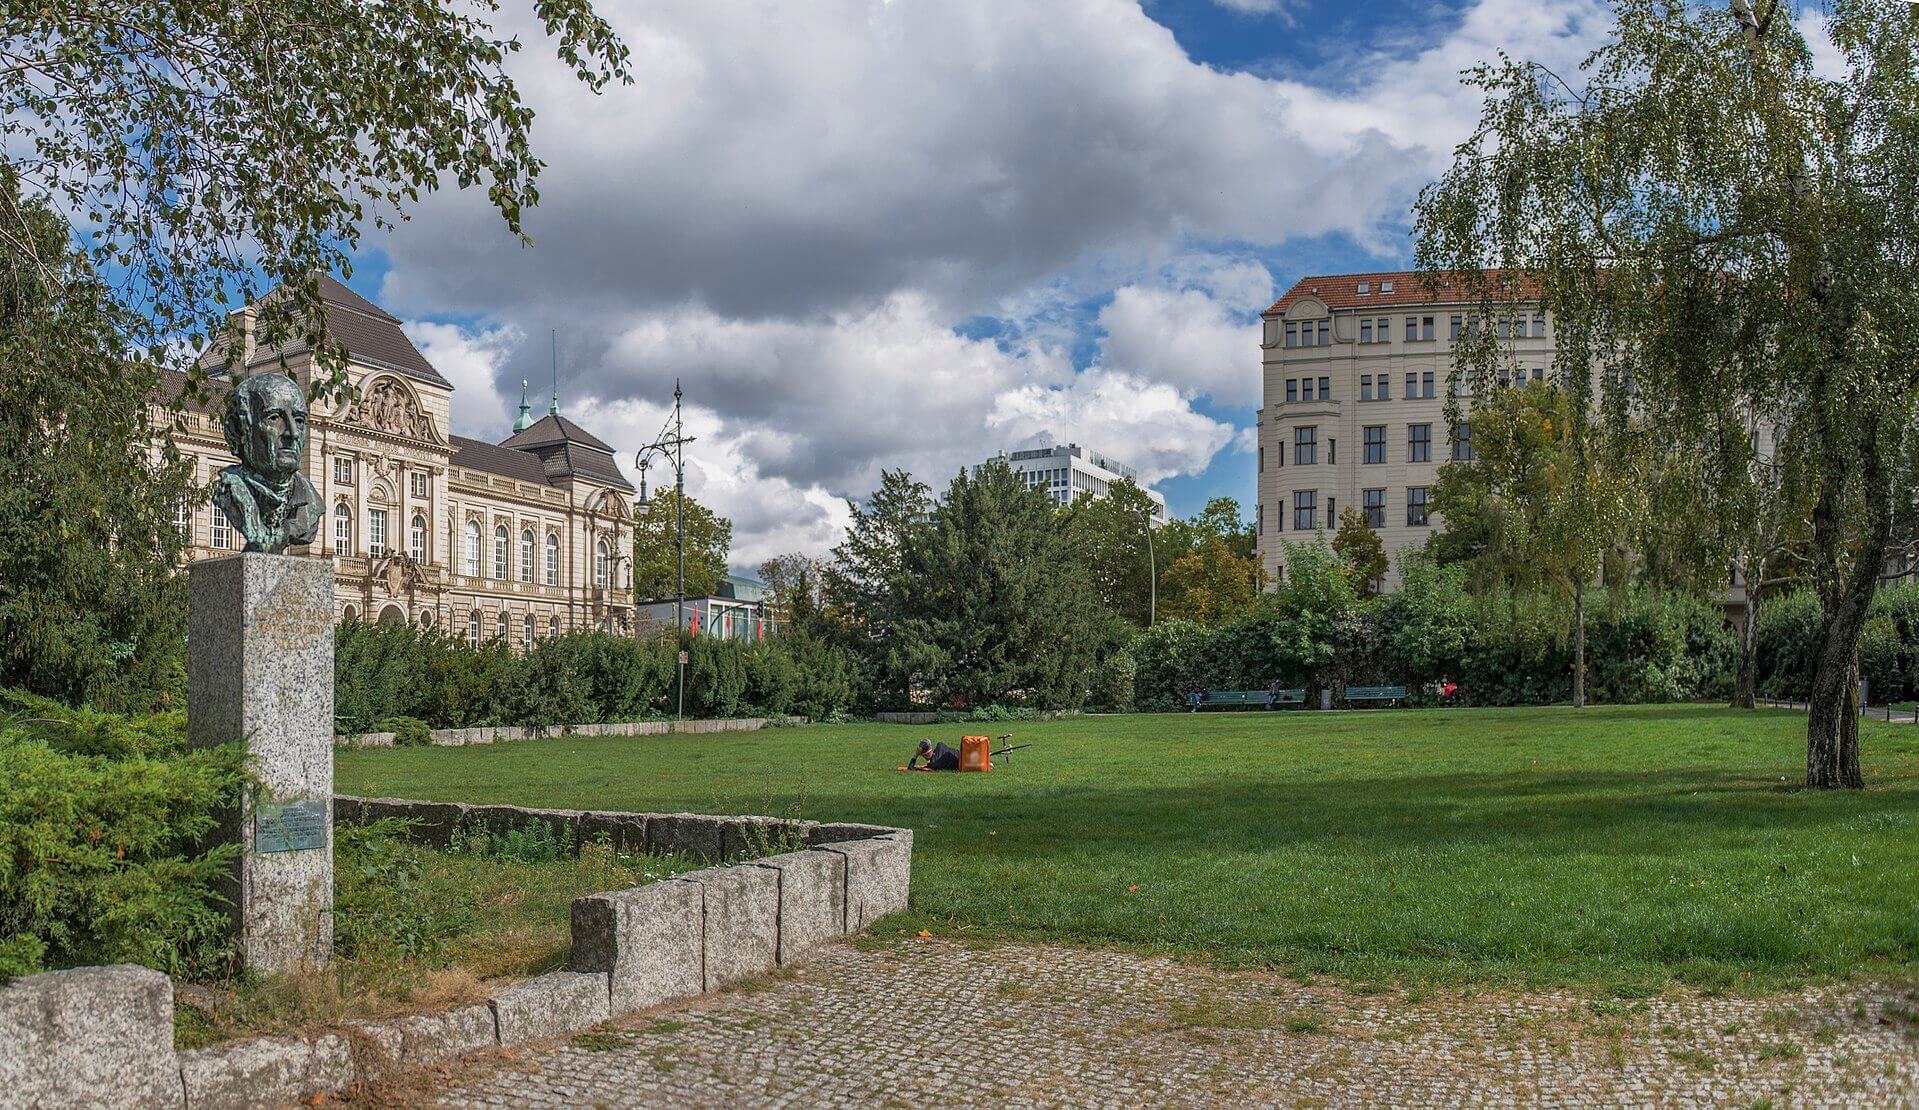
x=1615 y=849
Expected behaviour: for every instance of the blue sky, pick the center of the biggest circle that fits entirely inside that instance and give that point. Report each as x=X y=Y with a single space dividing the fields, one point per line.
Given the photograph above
x=910 y=234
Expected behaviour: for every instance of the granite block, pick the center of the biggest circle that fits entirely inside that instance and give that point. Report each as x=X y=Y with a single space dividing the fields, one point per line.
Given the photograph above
x=743 y=838
x=266 y=1071
x=551 y=1005
x=648 y=941
x=695 y=836
x=260 y=670
x=742 y=921
x=812 y=901
x=834 y=832
x=432 y=823
x=878 y=874
x=67 y=1037
x=623 y=832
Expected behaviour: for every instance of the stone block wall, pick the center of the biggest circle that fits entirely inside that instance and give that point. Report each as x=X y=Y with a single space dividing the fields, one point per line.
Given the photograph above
x=104 y=1035
x=461 y=737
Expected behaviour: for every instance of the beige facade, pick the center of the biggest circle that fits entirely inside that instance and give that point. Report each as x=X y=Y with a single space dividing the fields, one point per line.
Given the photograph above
x=523 y=539
x=1355 y=373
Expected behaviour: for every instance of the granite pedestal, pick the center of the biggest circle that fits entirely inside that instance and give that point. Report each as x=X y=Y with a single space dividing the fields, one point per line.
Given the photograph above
x=260 y=669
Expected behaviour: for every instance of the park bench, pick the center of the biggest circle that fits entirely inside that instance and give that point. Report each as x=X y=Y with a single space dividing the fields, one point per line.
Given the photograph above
x=1375 y=693
x=1222 y=699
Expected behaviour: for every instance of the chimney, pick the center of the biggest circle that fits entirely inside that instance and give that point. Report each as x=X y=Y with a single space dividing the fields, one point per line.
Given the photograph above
x=241 y=332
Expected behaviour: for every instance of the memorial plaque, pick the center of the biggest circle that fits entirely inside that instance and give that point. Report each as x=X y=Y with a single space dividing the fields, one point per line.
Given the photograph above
x=289 y=826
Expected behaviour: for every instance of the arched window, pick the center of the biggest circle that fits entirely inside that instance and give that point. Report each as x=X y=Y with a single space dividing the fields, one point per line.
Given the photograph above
x=504 y=630
x=553 y=627
x=416 y=541
x=526 y=630
x=342 y=529
x=473 y=628
x=500 y=543
x=526 y=556
x=552 y=559
x=349 y=615
x=470 y=556
x=600 y=557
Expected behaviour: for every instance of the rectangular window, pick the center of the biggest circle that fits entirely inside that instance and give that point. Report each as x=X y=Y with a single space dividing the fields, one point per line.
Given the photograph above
x=1456 y=325
x=222 y=531
x=183 y=519
x=1305 y=446
x=1385 y=391
x=1259 y=512
x=1463 y=443
x=1292 y=335
x=1373 y=501
x=343 y=471
x=1305 y=389
x=1425 y=327
x=1325 y=333
x=376 y=532
x=1419 y=443
x=1292 y=390
x=1426 y=384
x=1412 y=385
x=1365 y=387
x=1332 y=455
x=1325 y=389
x=1416 y=506
x=1262 y=458
x=1305 y=510
x=1539 y=326
x=1365 y=331
x=1373 y=444
x=1385 y=328
x=1412 y=328
x=417 y=481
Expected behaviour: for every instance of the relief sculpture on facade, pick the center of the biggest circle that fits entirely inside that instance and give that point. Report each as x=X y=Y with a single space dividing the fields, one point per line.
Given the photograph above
x=388 y=407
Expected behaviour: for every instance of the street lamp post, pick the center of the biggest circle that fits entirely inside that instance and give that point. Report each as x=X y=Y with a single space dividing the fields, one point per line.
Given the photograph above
x=671 y=447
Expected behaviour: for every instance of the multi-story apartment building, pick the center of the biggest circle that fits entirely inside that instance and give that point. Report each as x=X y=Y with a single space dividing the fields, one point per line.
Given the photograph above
x=1355 y=375
x=1068 y=472
x=522 y=539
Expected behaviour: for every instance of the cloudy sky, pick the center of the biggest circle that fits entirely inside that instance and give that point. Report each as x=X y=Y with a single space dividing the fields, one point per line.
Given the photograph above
x=913 y=233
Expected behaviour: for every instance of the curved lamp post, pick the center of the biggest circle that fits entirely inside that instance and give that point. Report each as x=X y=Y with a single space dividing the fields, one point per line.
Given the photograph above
x=671 y=448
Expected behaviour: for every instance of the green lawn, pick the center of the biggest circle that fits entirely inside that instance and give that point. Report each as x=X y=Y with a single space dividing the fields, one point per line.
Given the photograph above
x=1618 y=848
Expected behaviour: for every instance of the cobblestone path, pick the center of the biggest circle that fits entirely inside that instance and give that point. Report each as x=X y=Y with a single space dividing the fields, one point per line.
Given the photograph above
x=929 y=1021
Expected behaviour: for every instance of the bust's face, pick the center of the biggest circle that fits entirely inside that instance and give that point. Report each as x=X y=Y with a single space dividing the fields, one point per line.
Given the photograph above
x=276 y=430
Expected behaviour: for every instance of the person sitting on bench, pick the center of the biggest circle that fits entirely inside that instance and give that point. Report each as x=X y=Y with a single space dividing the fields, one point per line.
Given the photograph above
x=938 y=757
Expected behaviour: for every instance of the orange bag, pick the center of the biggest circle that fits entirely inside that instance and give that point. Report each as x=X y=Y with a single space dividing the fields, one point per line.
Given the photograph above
x=976 y=753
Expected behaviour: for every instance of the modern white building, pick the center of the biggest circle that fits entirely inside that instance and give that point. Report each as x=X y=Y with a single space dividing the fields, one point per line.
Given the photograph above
x=1068 y=472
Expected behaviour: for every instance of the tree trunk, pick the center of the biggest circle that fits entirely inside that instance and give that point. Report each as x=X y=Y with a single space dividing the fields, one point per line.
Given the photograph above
x=1743 y=686
x=1832 y=719
x=1579 y=648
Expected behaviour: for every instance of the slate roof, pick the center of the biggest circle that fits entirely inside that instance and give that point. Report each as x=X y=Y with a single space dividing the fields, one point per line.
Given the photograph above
x=554 y=428
x=370 y=334
x=478 y=454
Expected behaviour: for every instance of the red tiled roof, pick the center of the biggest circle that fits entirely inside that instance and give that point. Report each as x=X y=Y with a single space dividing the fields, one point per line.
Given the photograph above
x=1409 y=288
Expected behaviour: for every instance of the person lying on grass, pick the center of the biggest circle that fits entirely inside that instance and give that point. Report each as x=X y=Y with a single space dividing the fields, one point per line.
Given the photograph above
x=938 y=757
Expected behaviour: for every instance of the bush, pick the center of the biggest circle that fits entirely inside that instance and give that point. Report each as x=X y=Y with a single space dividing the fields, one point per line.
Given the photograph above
x=102 y=825
x=1113 y=687
x=408 y=732
x=391 y=672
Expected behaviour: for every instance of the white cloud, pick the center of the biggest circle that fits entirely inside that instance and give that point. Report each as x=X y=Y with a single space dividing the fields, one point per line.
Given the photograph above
x=470 y=359
x=1199 y=330
x=793 y=208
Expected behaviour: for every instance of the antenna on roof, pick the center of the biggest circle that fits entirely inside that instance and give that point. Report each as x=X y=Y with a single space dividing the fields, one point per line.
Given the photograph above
x=555 y=410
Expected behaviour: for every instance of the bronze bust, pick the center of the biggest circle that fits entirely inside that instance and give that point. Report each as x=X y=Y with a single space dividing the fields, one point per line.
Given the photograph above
x=265 y=496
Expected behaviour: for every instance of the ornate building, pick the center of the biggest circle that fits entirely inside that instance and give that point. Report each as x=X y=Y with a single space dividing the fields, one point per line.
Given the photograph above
x=522 y=539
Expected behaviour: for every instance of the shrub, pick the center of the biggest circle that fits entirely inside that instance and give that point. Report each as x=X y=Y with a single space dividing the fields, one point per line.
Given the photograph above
x=1113 y=688
x=408 y=732
x=102 y=825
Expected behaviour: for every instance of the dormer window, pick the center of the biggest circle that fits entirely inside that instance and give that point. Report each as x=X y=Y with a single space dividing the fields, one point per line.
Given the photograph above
x=1385 y=287
x=1365 y=287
